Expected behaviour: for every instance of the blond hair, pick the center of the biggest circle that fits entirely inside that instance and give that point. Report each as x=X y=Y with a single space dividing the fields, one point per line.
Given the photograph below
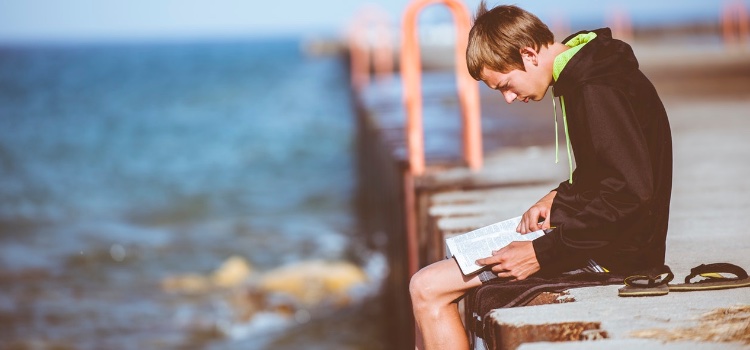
x=499 y=34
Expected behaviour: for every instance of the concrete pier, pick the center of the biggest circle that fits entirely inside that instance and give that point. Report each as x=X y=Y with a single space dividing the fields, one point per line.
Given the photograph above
x=706 y=91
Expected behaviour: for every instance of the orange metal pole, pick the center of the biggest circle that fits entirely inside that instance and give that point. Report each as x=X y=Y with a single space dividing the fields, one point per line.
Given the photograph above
x=735 y=32
x=410 y=74
x=726 y=24
x=383 y=55
x=361 y=48
x=621 y=25
x=743 y=23
x=410 y=220
x=359 y=60
x=468 y=89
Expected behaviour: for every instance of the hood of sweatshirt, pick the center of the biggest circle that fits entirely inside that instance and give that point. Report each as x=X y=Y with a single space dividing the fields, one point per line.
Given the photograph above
x=603 y=53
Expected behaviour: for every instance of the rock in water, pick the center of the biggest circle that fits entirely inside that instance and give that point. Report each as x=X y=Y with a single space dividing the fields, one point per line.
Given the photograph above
x=312 y=282
x=188 y=283
x=232 y=273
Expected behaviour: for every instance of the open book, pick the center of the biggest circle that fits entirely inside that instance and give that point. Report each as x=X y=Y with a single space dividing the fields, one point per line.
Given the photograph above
x=480 y=243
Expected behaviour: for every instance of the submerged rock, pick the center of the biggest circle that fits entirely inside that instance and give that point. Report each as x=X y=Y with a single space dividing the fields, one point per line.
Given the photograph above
x=232 y=273
x=313 y=282
x=188 y=283
x=290 y=293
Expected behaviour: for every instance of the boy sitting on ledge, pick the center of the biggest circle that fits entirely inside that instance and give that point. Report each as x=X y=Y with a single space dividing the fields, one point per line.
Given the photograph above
x=614 y=208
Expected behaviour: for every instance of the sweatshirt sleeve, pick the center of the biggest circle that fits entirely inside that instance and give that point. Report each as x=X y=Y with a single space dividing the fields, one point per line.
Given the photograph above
x=587 y=215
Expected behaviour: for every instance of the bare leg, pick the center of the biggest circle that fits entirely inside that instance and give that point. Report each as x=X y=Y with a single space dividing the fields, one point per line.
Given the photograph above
x=433 y=290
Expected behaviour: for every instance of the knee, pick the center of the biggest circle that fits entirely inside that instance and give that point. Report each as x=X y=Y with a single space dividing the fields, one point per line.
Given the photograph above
x=421 y=288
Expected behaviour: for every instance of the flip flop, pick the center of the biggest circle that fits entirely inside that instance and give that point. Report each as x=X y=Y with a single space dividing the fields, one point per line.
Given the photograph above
x=647 y=284
x=713 y=278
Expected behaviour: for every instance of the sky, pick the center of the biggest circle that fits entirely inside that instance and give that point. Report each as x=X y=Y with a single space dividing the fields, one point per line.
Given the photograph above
x=61 y=20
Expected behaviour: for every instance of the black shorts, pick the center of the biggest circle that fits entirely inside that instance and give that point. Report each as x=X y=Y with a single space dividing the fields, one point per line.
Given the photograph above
x=487 y=275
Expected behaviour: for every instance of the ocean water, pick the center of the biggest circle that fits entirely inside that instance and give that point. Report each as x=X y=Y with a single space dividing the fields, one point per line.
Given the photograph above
x=122 y=165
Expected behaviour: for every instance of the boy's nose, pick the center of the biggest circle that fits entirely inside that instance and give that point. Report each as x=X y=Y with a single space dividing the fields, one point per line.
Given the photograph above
x=509 y=96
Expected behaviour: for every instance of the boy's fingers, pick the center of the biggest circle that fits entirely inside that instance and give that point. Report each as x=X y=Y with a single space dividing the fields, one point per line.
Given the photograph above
x=504 y=274
x=523 y=224
x=531 y=223
x=494 y=259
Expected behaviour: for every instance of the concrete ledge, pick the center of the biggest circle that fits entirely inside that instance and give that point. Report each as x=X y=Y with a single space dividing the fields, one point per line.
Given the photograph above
x=629 y=344
x=505 y=168
x=676 y=317
x=511 y=335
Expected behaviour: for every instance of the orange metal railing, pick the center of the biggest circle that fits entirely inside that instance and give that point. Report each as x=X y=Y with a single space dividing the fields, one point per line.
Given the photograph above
x=468 y=88
x=468 y=96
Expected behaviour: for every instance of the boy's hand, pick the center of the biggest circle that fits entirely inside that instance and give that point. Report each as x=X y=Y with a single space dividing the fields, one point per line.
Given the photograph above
x=515 y=261
x=540 y=211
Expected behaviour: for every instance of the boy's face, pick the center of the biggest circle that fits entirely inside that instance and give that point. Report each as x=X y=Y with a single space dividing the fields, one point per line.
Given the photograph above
x=527 y=85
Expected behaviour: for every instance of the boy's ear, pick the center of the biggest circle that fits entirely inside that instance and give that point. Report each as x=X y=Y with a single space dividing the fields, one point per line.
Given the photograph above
x=530 y=55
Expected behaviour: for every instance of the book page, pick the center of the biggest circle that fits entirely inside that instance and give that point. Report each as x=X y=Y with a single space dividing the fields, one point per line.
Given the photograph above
x=480 y=243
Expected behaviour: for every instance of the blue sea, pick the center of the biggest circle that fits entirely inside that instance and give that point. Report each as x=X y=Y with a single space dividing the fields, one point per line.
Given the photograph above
x=122 y=165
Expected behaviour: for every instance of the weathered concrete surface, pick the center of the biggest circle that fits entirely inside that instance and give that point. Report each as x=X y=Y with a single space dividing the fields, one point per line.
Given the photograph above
x=674 y=317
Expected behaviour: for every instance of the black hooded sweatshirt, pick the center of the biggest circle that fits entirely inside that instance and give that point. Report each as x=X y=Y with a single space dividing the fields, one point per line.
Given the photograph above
x=616 y=209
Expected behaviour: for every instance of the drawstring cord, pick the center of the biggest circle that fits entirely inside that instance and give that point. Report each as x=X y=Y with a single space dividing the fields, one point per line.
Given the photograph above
x=557 y=142
x=567 y=136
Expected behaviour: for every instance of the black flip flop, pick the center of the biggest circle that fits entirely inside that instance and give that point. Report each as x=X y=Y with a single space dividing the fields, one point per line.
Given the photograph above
x=713 y=278
x=647 y=284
